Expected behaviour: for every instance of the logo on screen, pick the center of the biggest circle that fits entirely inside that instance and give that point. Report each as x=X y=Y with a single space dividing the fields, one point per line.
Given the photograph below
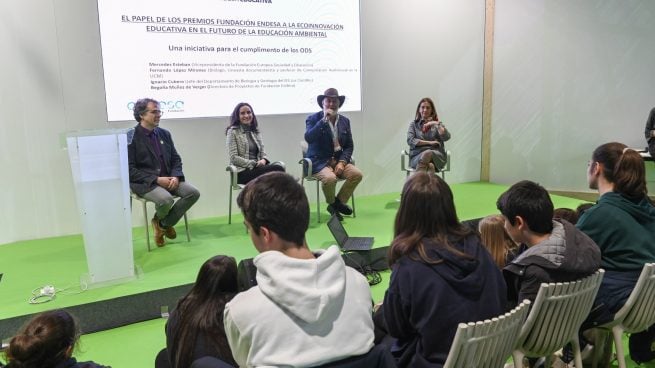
x=166 y=106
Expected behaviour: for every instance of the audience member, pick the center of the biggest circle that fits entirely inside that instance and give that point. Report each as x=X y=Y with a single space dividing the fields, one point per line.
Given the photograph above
x=245 y=147
x=622 y=223
x=307 y=308
x=426 y=136
x=649 y=132
x=557 y=251
x=441 y=275
x=195 y=327
x=156 y=171
x=46 y=341
x=330 y=148
x=566 y=214
x=494 y=237
x=582 y=208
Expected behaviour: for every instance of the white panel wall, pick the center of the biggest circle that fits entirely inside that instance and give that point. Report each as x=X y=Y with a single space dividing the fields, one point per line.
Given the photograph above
x=568 y=76
x=51 y=74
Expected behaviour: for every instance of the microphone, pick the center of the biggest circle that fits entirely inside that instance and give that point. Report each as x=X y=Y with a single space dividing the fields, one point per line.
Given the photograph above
x=327 y=114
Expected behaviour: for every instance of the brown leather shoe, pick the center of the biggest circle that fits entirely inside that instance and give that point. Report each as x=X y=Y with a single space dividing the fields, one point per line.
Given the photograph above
x=159 y=232
x=170 y=232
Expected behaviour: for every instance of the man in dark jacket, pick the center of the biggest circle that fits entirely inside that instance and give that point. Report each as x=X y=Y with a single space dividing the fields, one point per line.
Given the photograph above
x=330 y=148
x=556 y=250
x=156 y=170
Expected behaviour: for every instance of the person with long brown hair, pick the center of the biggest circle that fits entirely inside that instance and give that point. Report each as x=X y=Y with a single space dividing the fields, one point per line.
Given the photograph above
x=47 y=341
x=245 y=147
x=441 y=275
x=494 y=237
x=426 y=135
x=195 y=327
x=622 y=223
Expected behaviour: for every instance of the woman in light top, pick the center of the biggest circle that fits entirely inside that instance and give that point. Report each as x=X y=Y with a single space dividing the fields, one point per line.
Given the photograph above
x=245 y=147
x=426 y=136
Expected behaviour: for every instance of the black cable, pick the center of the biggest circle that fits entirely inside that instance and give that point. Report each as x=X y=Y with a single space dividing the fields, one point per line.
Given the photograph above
x=373 y=277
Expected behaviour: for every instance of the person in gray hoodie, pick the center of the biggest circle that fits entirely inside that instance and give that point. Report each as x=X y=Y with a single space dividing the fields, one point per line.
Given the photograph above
x=307 y=308
x=556 y=250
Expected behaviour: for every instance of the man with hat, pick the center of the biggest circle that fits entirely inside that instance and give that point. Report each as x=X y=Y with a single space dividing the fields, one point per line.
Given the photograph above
x=330 y=147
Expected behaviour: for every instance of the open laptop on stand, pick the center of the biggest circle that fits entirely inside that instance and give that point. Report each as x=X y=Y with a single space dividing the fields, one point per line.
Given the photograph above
x=345 y=242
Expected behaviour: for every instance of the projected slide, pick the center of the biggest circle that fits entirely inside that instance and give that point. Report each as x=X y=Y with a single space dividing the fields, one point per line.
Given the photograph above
x=199 y=58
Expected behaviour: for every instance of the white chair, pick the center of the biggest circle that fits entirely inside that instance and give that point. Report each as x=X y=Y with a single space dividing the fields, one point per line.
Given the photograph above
x=488 y=343
x=636 y=315
x=404 y=164
x=234 y=185
x=146 y=221
x=555 y=319
x=306 y=175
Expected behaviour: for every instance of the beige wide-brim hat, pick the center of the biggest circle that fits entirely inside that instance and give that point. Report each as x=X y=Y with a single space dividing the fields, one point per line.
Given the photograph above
x=330 y=92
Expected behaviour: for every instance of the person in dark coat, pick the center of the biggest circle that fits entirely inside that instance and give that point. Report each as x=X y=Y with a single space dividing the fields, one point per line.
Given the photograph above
x=441 y=275
x=556 y=250
x=156 y=170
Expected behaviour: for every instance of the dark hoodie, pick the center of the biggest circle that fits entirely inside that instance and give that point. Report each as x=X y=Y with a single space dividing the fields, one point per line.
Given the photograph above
x=425 y=302
x=567 y=255
x=623 y=229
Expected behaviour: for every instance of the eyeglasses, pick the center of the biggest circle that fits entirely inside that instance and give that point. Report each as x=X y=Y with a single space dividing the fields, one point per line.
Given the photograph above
x=156 y=112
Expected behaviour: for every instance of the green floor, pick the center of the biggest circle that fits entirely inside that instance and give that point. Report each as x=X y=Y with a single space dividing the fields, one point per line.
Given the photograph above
x=60 y=262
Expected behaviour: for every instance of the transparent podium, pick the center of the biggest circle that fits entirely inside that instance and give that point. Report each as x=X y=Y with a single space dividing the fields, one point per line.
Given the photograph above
x=100 y=170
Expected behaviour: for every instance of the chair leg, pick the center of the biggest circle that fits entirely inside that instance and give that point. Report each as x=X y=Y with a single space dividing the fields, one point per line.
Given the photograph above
x=318 y=201
x=147 y=223
x=617 y=332
x=229 y=213
x=517 y=358
x=186 y=226
x=352 y=200
x=575 y=343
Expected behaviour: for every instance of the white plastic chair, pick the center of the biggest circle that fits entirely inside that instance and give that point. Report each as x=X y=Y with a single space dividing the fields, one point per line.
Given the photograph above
x=487 y=344
x=404 y=164
x=233 y=186
x=306 y=175
x=555 y=318
x=636 y=315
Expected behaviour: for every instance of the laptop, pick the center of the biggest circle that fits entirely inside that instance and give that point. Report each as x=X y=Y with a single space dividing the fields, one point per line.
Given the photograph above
x=345 y=242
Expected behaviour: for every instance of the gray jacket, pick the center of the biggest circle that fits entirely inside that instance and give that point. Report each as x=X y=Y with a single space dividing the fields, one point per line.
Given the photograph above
x=567 y=255
x=238 y=148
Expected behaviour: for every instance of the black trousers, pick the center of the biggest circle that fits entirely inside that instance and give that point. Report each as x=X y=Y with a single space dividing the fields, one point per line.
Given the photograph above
x=247 y=175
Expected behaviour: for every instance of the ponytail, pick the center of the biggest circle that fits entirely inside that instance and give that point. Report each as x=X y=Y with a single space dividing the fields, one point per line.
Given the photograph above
x=624 y=168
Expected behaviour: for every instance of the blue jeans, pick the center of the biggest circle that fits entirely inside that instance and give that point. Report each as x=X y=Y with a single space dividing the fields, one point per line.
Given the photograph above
x=613 y=293
x=169 y=211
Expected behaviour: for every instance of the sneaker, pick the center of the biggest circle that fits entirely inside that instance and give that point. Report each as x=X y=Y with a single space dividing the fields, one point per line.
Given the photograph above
x=158 y=232
x=170 y=232
x=342 y=207
x=333 y=211
x=567 y=356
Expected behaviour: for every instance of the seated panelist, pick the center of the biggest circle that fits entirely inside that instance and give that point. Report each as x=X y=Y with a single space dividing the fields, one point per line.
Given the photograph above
x=245 y=147
x=330 y=148
x=426 y=136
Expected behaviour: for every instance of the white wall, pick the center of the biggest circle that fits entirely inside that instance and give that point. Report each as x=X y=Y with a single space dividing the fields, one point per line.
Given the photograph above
x=568 y=76
x=52 y=82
